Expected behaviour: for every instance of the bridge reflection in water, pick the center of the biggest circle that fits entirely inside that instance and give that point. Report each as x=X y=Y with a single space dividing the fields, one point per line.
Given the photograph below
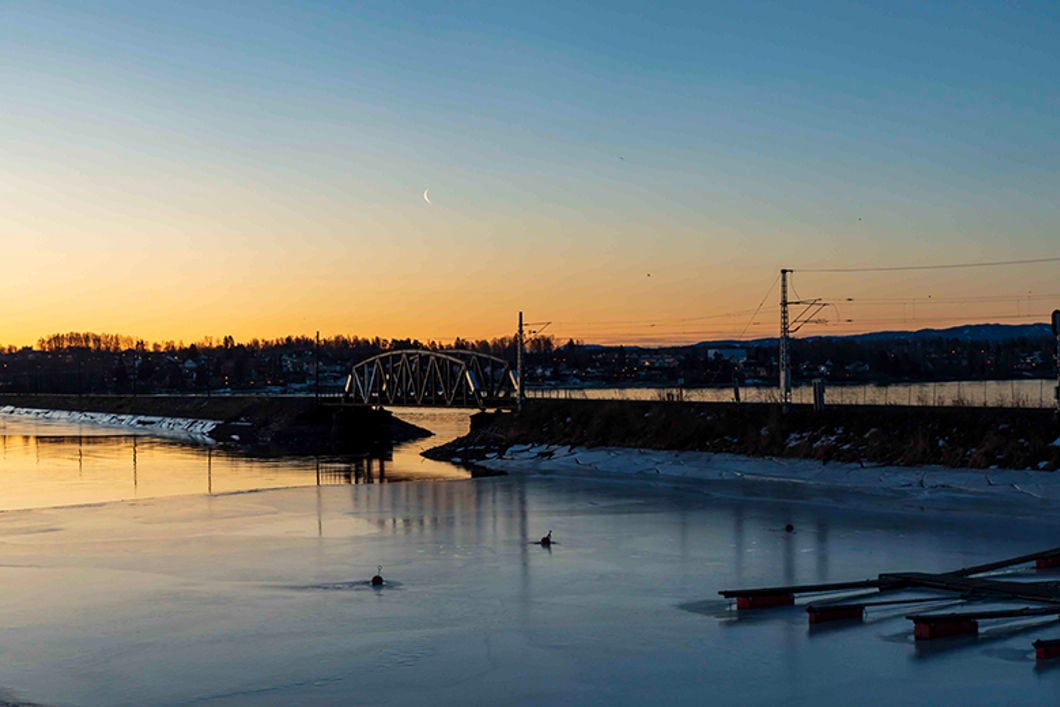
x=58 y=464
x=366 y=469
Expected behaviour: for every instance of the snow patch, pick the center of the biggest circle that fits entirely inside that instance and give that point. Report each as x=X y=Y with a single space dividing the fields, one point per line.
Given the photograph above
x=181 y=428
x=921 y=487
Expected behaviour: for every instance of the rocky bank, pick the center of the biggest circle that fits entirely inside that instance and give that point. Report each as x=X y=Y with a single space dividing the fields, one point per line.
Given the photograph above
x=956 y=437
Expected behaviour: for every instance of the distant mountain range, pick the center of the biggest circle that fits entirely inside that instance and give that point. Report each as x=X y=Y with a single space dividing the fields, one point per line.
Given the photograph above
x=966 y=332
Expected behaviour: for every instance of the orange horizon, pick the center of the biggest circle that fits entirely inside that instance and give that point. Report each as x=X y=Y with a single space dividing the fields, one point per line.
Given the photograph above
x=647 y=340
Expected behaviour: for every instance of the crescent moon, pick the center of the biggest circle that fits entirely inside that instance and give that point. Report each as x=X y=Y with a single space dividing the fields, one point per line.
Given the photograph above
x=425 y=195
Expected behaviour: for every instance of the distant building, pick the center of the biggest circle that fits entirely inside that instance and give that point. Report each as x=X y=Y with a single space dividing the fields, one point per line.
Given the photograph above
x=731 y=355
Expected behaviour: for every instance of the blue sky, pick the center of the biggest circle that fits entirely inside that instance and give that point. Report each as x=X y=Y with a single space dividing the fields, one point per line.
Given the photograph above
x=568 y=147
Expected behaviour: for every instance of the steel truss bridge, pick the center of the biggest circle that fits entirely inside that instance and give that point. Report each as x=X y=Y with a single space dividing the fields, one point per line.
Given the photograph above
x=433 y=379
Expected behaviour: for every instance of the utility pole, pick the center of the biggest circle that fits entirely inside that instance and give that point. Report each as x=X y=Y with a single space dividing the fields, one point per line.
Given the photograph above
x=520 y=396
x=788 y=326
x=1056 y=333
x=316 y=368
x=785 y=351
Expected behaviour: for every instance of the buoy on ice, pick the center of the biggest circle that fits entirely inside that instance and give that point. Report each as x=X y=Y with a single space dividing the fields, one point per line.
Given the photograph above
x=377 y=579
x=789 y=528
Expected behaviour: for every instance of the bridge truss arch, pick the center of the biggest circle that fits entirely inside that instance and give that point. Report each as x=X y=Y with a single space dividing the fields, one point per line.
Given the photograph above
x=433 y=378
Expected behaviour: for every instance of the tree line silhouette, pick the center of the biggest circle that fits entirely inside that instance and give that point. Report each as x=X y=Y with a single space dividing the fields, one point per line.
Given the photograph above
x=87 y=362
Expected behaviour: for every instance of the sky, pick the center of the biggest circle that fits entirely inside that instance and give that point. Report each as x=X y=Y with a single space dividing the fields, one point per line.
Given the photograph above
x=620 y=172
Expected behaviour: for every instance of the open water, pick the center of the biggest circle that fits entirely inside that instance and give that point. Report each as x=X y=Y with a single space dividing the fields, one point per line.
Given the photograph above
x=45 y=463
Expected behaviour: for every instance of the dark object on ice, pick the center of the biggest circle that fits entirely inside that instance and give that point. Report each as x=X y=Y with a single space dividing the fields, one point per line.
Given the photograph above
x=835 y=612
x=547 y=540
x=377 y=579
x=962 y=585
x=930 y=626
x=789 y=528
x=1046 y=648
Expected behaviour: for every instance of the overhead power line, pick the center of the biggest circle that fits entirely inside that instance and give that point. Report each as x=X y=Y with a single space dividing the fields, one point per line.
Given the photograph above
x=1035 y=317
x=929 y=299
x=948 y=266
x=750 y=321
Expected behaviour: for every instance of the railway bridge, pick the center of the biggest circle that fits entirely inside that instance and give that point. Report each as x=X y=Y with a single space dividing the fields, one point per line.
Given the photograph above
x=424 y=378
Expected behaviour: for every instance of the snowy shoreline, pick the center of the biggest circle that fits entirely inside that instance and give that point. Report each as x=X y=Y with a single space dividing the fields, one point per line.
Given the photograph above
x=178 y=428
x=840 y=484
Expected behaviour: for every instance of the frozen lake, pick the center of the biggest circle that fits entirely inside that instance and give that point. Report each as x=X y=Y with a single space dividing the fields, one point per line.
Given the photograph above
x=262 y=598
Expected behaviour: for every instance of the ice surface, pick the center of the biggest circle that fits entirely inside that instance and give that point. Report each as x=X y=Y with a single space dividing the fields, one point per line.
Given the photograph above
x=260 y=598
x=967 y=490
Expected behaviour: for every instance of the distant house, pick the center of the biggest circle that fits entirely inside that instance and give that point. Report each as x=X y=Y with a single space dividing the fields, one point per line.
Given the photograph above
x=658 y=361
x=731 y=355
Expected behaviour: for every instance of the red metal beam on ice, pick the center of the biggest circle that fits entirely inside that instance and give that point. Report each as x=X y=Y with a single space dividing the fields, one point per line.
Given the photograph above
x=1047 y=648
x=763 y=596
x=926 y=630
x=764 y=600
x=1010 y=562
x=834 y=612
x=928 y=626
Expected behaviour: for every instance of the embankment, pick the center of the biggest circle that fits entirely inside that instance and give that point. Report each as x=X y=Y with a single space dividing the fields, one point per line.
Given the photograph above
x=259 y=424
x=973 y=438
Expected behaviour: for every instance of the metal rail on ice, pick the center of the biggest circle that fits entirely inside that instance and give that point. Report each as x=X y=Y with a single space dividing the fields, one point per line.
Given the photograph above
x=959 y=585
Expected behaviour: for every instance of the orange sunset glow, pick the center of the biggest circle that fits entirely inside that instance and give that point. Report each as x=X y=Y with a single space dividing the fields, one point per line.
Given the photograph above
x=171 y=178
